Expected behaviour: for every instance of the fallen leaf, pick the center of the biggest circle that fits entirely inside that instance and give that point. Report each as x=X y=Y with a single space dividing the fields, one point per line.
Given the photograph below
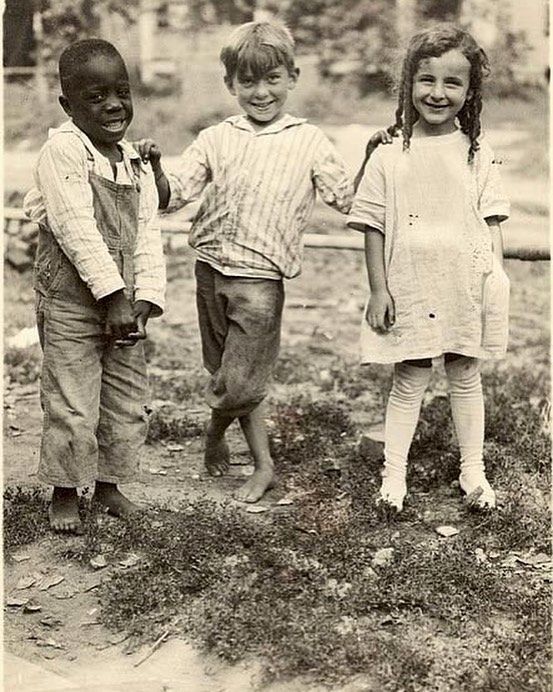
x=174 y=448
x=256 y=509
x=447 y=531
x=16 y=601
x=480 y=555
x=51 y=621
x=285 y=501
x=32 y=607
x=25 y=582
x=51 y=643
x=99 y=562
x=51 y=581
x=382 y=557
x=20 y=558
x=66 y=593
x=130 y=561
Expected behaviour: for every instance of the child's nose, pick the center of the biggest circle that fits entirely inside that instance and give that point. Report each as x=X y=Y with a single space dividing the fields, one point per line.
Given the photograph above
x=261 y=88
x=437 y=91
x=113 y=102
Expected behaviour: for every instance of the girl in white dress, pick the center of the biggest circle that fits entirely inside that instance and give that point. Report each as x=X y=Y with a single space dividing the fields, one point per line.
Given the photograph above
x=430 y=206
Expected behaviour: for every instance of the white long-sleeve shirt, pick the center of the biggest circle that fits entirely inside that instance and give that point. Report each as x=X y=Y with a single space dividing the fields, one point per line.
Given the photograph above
x=63 y=200
x=260 y=188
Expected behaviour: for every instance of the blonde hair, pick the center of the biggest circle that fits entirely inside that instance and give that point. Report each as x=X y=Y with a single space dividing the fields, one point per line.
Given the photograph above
x=257 y=47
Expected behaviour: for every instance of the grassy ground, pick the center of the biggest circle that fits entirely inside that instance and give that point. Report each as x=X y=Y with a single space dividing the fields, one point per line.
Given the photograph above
x=324 y=586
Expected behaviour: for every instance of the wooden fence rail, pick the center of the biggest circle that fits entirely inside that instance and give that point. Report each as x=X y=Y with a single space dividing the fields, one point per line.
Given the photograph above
x=353 y=241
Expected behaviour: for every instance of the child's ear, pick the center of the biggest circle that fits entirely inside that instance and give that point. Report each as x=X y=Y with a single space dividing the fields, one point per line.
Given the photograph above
x=64 y=103
x=294 y=76
x=230 y=85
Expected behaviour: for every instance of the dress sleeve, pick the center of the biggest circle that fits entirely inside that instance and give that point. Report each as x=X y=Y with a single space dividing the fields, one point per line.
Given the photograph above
x=330 y=176
x=369 y=205
x=62 y=179
x=492 y=200
x=192 y=175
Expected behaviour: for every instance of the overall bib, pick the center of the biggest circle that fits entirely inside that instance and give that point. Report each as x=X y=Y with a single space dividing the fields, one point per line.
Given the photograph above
x=93 y=394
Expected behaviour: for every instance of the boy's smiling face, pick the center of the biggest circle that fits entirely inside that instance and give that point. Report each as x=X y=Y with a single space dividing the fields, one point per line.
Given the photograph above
x=263 y=98
x=99 y=101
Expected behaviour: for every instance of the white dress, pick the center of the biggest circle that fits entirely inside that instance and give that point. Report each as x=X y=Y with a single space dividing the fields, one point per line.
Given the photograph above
x=431 y=206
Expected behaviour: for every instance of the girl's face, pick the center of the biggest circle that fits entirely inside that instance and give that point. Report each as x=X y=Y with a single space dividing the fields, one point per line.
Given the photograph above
x=440 y=88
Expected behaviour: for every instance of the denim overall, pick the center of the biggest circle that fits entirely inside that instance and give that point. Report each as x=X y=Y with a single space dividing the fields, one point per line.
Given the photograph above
x=93 y=394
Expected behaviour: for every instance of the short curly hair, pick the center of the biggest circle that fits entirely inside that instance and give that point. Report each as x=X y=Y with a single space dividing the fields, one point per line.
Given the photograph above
x=257 y=47
x=432 y=43
x=79 y=53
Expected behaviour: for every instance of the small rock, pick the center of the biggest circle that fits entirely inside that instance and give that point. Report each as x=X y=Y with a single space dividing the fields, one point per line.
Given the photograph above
x=16 y=601
x=32 y=607
x=480 y=555
x=51 y=581
x=99 y=562
x=447 y=531
x=285 y=502
x=130 y=561
x=382 y=557
x=25 y=582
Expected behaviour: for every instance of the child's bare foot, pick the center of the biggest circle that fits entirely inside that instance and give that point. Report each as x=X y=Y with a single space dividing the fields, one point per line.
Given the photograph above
x=63 y=512
x=109 y=495
x=217 y=455
x=256 y=486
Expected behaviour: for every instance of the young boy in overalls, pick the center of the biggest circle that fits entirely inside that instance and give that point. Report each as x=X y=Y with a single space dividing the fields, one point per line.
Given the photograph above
x=99 y=277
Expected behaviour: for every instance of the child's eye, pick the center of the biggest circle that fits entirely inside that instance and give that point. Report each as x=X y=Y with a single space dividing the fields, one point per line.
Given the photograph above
x=124 y=92
x=95 y=98
x=273 y=78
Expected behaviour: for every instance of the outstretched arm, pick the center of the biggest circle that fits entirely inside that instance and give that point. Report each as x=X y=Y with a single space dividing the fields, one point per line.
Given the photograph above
x=380 y=137
x=149 y=151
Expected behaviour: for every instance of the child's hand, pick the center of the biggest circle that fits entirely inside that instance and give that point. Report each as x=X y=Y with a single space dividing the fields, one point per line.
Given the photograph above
x=381 y=314
x=149 y=151
x=380 y=137
x=142 y=310
x=121 y=325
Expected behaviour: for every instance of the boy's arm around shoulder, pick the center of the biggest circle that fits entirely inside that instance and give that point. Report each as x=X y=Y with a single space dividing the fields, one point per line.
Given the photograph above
x=62 y=178
x=331 y=177
x=192 y=173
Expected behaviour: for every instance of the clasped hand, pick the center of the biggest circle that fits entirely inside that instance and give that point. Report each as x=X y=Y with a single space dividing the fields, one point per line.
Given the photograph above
x=125 y=322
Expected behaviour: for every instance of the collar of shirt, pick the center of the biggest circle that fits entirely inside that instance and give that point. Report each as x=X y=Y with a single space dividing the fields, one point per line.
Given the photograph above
x=241 y=122
x=128 y=150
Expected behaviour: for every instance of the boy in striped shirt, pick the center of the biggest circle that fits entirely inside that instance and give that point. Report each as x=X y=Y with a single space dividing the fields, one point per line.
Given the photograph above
x=259 y=173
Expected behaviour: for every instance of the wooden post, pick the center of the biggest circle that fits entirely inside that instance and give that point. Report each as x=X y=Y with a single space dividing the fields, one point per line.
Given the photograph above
x=41 y=84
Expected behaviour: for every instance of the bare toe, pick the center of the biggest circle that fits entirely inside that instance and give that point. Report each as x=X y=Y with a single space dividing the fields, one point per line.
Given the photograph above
x=256 y=486
x=217 y=457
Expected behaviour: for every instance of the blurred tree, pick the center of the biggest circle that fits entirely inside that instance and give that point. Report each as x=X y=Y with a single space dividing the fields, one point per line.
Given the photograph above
x=18 y=44
x=354 y=39
x=66 y=21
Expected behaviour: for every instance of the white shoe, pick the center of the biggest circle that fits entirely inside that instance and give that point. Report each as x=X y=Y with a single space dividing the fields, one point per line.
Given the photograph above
x=477 y=489
x=393 y=491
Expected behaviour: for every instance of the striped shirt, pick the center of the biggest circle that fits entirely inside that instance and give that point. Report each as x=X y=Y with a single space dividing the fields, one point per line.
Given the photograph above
x=63 y=200
x=259 y=192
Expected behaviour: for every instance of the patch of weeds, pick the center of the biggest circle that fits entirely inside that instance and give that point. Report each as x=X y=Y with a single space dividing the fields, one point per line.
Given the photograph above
x=23 y=364
x=307 y=431
x=522 y=520
x=356 y=380
x=517 y=414
x=293 y=367
x=25 y=511
x=177 y=386
x=172 y=425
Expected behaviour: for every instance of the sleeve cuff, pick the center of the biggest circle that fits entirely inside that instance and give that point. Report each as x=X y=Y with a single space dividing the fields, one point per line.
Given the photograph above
x=104 y=289
x=157 y=301
x=364 y=222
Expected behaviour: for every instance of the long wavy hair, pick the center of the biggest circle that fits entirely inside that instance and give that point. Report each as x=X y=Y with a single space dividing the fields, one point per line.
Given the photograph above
x=432 y=43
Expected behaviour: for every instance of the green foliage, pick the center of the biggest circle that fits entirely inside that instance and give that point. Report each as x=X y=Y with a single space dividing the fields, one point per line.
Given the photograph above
x=66 y=21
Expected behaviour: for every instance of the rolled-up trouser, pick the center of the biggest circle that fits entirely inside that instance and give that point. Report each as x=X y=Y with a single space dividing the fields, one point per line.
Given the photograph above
x=93 y=397
x=240 y=320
